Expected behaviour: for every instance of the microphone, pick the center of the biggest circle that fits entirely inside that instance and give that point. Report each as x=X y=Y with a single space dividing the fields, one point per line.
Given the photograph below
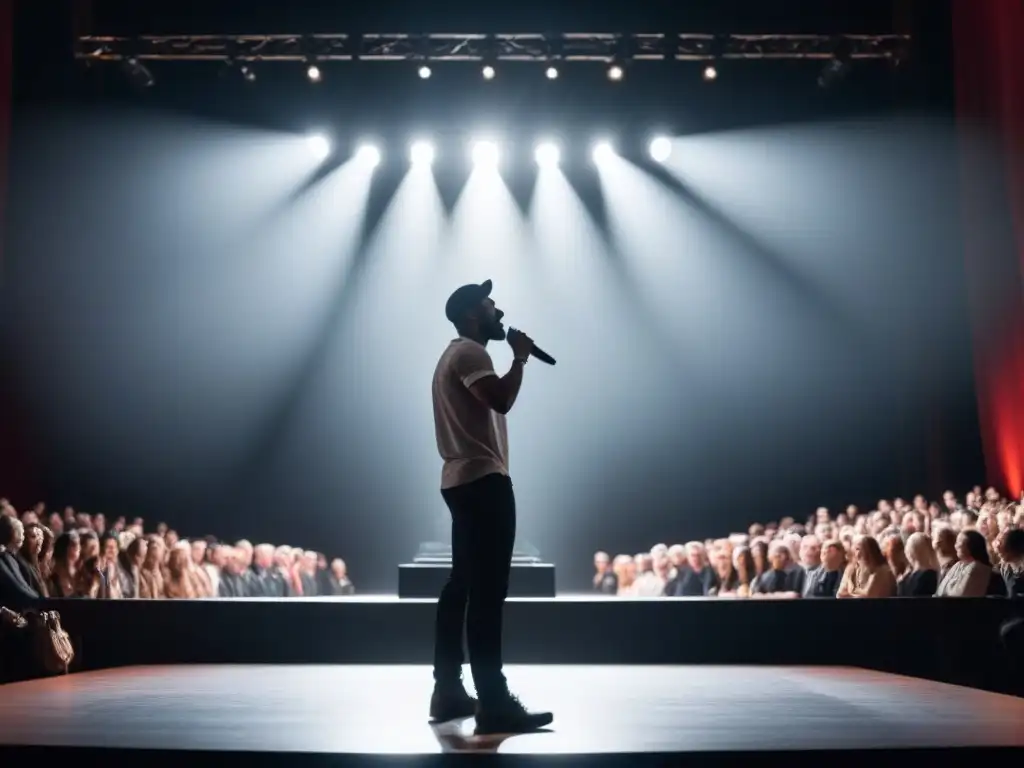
x=536 y=352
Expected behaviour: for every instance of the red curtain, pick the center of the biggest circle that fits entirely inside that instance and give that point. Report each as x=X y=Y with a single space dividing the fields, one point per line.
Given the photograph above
x=988 y=38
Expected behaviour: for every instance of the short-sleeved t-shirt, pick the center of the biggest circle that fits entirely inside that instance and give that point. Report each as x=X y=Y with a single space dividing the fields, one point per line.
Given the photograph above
x=471 y=437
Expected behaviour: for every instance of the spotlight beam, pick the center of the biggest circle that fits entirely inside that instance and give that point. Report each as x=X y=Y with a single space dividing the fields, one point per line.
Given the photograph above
x=486 y=154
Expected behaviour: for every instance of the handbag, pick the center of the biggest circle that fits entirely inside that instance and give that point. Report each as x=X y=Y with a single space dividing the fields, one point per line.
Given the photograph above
x=51 y=644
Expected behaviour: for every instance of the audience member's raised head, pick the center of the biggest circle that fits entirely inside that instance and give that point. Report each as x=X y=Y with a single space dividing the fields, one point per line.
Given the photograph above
x=810 y=552
x=110 y=548
x=1011 y=546
x=869 y=553
x=895 y=554
x=696 y=555
x=833 y=555
x=779 y=555
x=920 y=553
x=245 y=552
x=971 y=547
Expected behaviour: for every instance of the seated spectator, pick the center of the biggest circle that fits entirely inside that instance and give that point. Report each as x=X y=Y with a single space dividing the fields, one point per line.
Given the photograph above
x=232 y=580
x=868 y=575
x=944 y=543
x=1011 y=552
x=782 y=580
x=151 y=576
x=284 y=564
x=695 y=578
x=131 y=561
x=16 y=591
x=824 y=581
x=726 y=574
x=923 y=577
x=110 y=566
x=89 y=579
x=67 y=551
x=324 y=586
x=214 y=565
x=743 y=561
x=970 y=575
x=759 y=553
x=625 y=572
x=201 y=583
x=178 y=584
x=90 y=545
x=33 y=557
x=809 y=553
x=340 y=584
x=654 y=581
x=895 y=555
x=307 y=574
x=269 y=581
x=605 y=581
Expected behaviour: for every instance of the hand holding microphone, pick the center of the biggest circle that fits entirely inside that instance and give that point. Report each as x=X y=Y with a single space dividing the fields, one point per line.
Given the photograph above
x=523 y=347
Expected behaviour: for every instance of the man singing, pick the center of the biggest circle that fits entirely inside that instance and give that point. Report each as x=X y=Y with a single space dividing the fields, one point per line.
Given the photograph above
x=470 y=403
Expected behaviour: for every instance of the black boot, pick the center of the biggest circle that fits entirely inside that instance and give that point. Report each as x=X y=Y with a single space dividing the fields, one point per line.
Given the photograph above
x=451 y=702
x=505 y=714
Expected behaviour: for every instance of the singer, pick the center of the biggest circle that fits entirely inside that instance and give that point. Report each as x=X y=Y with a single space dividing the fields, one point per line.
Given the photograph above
x=470 y=404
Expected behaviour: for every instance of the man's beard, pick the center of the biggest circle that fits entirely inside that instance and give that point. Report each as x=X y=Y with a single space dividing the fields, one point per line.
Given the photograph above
x=495 y=331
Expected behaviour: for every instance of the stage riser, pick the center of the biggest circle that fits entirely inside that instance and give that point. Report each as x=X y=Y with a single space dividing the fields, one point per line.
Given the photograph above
x=422 y=580
x=948 y=640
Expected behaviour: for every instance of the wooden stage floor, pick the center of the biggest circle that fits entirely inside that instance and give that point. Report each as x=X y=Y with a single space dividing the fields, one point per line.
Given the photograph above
x=626 y=712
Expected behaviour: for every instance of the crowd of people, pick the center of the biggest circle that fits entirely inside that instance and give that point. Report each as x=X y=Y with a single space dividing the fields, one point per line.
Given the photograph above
x=952 y=548
x=73 y=554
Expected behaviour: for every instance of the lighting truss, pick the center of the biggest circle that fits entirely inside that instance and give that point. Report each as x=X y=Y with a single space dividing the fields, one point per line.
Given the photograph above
x=480 y=47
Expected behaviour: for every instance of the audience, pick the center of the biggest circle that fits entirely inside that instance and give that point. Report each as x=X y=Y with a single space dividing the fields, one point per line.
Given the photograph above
x=79 y=555
x=972 y=548
x=968 y=548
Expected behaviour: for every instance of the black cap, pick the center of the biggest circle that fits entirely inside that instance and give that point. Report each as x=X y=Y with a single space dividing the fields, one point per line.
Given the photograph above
x=464 y=299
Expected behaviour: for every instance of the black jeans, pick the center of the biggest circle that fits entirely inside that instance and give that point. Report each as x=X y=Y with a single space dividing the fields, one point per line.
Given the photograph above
x=483 y=534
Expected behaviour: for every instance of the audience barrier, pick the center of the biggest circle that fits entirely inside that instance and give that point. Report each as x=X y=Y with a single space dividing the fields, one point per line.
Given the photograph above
x=955 y=641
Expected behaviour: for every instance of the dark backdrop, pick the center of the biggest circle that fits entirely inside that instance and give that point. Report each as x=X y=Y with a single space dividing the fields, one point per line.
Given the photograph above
x=777 y=379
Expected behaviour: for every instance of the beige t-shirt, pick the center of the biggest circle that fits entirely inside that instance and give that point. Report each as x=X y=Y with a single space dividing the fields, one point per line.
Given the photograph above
x=471 y=437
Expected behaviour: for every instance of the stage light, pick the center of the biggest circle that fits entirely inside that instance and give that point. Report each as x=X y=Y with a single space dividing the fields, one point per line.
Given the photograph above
x=710 y=73
x=421 y=153
x=485 y=154
x=547 y=154
x=319 y=146
x=424 y=72
x=369 y=155
x=660 y=148
x=248 y=73
x=488 y=72
x=615 y=72
x=603 y=152
x=551 y=73
x=313 y=73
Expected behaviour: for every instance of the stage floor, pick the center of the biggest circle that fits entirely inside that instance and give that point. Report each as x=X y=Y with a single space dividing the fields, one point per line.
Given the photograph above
x=368 y=711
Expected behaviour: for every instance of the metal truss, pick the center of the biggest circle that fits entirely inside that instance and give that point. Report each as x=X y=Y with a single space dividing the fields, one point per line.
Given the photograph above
x=483 y=47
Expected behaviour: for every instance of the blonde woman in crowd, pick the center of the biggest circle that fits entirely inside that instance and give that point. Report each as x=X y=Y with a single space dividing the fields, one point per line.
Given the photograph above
x=923 y=578
x=869 y=574
x=177 y=581
x=625 y=571
x=151 y=577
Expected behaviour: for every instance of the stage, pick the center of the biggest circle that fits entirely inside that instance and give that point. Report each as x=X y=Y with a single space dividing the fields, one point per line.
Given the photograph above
x=952 y=641
x=633 y=714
